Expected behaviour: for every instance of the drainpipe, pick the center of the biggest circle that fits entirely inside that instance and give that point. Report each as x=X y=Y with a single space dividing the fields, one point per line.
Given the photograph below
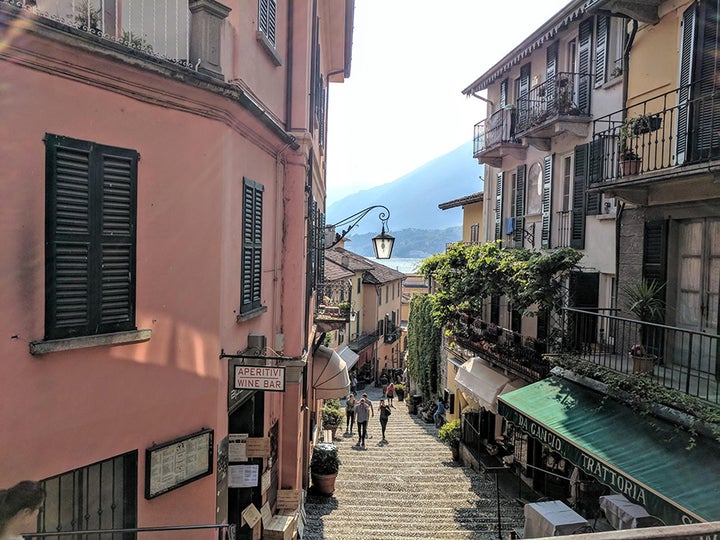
x=626 y=65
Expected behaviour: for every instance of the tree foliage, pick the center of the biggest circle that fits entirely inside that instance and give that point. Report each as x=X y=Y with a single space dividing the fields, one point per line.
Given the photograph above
x=424 y=339
x=466 y=275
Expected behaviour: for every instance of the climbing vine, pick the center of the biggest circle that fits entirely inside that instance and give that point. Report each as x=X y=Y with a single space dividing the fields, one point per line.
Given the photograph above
x=424 y=338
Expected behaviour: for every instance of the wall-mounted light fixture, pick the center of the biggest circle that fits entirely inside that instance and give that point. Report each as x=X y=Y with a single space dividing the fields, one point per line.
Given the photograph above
x=382 y=243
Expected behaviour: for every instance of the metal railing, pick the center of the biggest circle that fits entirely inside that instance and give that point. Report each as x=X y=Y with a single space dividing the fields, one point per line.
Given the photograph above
x=221 y=531
x=158 y=28
x=678 y=358
x=564 y=228
x=557 y=96
x=493 y=131
x=661 y=132
x=334 y=301
x=363 y=341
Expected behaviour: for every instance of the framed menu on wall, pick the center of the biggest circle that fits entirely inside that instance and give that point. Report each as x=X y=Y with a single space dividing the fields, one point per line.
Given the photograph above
x=178 y=462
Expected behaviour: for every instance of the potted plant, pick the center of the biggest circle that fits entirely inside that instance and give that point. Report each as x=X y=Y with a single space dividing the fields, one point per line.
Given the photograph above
x=324 y=467
x=400 y=391
x=451 y=434
x=332 y=416
x=645 y=123
x=644 y=300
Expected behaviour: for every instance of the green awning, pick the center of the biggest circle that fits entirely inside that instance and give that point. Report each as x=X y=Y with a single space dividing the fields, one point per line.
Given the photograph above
x=651 y=462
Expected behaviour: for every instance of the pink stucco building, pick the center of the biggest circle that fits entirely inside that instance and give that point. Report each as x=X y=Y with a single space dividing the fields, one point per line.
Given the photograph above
x=163 y=186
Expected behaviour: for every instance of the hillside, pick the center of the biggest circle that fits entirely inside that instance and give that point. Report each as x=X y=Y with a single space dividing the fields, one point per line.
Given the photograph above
x=409 y=243
x=413 y=198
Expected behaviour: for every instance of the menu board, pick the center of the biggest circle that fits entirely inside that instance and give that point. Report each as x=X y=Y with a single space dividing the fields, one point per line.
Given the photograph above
x=178 y=462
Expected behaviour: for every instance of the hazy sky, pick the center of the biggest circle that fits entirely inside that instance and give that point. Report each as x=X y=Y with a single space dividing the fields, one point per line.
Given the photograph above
x=402 y=105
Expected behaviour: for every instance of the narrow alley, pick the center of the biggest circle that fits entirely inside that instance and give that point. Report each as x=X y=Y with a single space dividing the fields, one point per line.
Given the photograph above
x=409 y=487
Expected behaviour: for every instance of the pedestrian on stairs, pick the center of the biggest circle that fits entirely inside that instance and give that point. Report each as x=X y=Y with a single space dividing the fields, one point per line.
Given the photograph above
x=390 y=392
x=385 y=413
x=362 y=412
x=350 y=413
x=372 y=411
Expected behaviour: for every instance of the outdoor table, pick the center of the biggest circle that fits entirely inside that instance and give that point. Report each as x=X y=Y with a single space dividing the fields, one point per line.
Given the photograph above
x=621 y=513
x=552 y=518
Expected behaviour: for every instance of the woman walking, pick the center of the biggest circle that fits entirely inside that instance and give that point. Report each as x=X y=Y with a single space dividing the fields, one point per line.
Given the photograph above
x=384 y=416
x=350 y=413
x=390 y=392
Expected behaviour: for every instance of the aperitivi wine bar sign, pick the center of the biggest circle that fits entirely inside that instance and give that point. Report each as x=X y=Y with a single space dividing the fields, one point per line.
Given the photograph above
x=267 y=378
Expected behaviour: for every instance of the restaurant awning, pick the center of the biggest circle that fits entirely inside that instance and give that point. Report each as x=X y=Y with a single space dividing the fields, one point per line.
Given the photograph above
x=651 y=462
x=480 y=383
x=349 y=356
x=330 y=374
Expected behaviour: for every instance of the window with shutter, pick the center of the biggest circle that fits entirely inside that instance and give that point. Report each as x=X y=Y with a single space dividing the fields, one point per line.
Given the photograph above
x=595 y=163
x=267 y=13
x=503 y=93
x=550 y=71
x=687 y=53
x=577 y=229
x=91 y=207
x=522 y=88
x=602 y=34
x=584 y=51
x=499 y=205
x=519 y=205
x=546 y=201
x=251 y=264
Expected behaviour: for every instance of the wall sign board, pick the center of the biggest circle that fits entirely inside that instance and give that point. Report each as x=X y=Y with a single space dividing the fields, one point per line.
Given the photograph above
x=178 y=462
x=263 y=378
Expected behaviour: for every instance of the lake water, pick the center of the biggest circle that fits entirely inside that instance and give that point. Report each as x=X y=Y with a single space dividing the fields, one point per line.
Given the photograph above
x=406 y=266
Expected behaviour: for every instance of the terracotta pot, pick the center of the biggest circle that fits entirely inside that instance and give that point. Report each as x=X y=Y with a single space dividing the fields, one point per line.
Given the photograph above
x=643 y=364
x=630 y=167
x=324 y=483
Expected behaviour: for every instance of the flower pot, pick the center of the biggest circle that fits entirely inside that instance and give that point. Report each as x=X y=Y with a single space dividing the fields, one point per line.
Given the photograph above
x=455 y=449
x=400 y=394
x=324 y=483
x=643 y=364
x=629 y=167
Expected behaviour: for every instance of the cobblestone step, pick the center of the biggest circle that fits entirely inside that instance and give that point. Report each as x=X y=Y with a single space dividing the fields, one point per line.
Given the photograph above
x=409 y=488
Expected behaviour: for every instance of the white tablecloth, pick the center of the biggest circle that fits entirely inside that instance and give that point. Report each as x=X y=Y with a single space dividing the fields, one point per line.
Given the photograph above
x=552 y=518
x=621 y=513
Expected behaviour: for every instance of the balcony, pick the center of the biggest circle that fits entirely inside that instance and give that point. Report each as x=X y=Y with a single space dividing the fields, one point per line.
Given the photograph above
x=334 y=305
x=359 y=343
x=555 y=107
x=494 y=138
x=669 y=136
x=674 y=357
x=393 y=335
x=154 y=29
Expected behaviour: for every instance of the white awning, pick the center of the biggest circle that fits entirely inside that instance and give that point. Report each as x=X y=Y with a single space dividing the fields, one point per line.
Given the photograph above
x=350 y=357
x=480 y=383
x=330 y=374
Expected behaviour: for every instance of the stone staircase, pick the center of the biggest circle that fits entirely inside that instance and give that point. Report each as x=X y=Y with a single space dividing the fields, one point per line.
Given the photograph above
x=409 y=487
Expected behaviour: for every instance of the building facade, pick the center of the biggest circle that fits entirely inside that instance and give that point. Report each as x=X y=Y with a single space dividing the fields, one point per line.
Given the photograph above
x=162 y=167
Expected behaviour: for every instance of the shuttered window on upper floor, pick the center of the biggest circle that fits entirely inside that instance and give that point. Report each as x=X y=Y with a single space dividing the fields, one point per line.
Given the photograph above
x=90 y=230
x=251 y=264
x=267 y=15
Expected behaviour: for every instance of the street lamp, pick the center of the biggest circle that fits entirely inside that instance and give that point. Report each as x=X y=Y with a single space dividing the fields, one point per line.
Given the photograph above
x=382 y=243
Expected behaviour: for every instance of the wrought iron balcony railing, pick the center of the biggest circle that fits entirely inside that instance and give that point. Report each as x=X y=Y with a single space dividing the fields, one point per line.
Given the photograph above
x=493 y=131
x=674 y=357
x=158 y=29
x=665 y=131
x=361 y=342
x=393 y=335
x=564 y=228
x=334 y=302
x=560 y=95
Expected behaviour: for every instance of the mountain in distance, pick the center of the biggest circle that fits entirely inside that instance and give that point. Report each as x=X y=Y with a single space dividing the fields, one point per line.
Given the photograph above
x=419 y=226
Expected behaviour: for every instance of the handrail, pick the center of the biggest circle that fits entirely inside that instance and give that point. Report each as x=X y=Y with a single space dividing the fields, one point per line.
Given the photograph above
x=128 y=530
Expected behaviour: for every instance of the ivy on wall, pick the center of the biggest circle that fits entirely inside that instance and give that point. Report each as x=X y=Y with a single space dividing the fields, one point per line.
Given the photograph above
x=424 y=339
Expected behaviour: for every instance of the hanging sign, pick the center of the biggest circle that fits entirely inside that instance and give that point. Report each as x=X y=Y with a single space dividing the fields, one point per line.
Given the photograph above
x=257 y=447
x=261 y=378
x=243 y=476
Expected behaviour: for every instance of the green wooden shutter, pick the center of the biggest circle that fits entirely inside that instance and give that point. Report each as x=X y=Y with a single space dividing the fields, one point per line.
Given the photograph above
x=655 y=251
x=91 y=202
x=523 y=105
x=252 y=246
x=546 y=202
x=550 y=72
x=595 y=162
x=577 y=233
x=503 y=93
x=706 y=117
x=519 y=205
x=601 y=45
x=687 y=53
x=584 y=48
x=499 y=205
